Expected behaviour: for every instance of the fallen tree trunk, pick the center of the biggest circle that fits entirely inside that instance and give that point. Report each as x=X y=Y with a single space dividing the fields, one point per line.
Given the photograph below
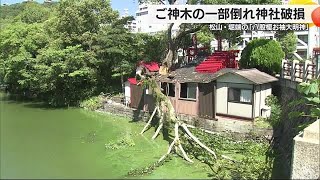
x=166 y=112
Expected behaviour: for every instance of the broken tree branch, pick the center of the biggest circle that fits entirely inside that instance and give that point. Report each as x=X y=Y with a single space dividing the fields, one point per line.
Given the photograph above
x=159 y=127
x=197 y=140
x=176 y=129
x=169 y=150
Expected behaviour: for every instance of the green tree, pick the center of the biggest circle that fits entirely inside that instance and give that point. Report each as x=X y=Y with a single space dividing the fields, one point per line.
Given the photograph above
x=19 y=45
x=67 y=76
x=263 y=54
x=152 y=42
x=79 y=20
x=205 y=36
x=275 y=117
x=34 y=13
x=70 y=55
x=288 y=41
x=117 y=50
x=233 y=37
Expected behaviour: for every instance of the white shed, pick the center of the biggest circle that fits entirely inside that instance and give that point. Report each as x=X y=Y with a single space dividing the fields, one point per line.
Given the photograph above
x=242 y=93
x=127 y=90
x=127 y=93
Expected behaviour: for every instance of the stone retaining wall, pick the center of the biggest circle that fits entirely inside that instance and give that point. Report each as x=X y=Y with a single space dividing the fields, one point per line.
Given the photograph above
x=306 y=155
x=220 y=125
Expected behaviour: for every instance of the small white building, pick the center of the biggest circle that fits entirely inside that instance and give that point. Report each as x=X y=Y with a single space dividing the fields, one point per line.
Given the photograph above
x=242 y=93
x=127 y=93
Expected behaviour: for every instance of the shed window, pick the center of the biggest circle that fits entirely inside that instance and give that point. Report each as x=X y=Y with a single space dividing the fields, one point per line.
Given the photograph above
x=240 y=95
x=168 y=89
x=188 y=90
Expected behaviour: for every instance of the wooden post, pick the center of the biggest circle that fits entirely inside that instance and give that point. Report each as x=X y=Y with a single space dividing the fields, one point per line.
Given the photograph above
x=305 y=70
x=293 y=71
x=317 y=65
x=282 y=68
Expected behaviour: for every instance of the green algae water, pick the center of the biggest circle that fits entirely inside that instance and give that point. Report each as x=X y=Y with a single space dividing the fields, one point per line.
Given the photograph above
x=41 y=142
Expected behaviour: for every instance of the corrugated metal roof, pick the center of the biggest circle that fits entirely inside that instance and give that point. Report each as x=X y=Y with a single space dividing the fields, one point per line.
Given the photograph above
x=188 y=74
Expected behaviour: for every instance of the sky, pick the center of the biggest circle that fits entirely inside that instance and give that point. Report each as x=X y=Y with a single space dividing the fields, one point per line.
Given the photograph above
x=119 y=5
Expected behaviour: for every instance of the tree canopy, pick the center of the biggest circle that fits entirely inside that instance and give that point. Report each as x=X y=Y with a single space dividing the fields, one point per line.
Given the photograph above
x=263 y=54
x=288 y=41
x=69 y=51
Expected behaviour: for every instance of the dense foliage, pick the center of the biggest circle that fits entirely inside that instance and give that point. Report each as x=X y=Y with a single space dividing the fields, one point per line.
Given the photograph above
x=69 y=51
x=311 y=98
x=248 y=154
x=257 y=54
x=311 y=92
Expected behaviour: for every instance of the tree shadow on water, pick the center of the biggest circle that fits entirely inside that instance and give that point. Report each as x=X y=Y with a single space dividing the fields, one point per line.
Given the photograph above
x=28 y=102
x=44 y=106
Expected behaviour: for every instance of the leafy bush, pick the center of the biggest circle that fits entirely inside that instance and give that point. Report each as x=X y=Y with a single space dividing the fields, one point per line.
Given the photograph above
x=263 y=54
x=275 y=117
x=92 y=104
x=311 y=92
x=124 y=142
x=311 y=99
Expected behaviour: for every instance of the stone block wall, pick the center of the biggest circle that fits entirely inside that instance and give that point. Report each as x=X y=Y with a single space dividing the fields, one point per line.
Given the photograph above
x=220 y=125
x=306 y=153
x=120 y=110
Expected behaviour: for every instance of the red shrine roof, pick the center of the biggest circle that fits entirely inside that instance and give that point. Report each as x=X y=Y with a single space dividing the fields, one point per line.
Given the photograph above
x=133 y=81
x=151 y=66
